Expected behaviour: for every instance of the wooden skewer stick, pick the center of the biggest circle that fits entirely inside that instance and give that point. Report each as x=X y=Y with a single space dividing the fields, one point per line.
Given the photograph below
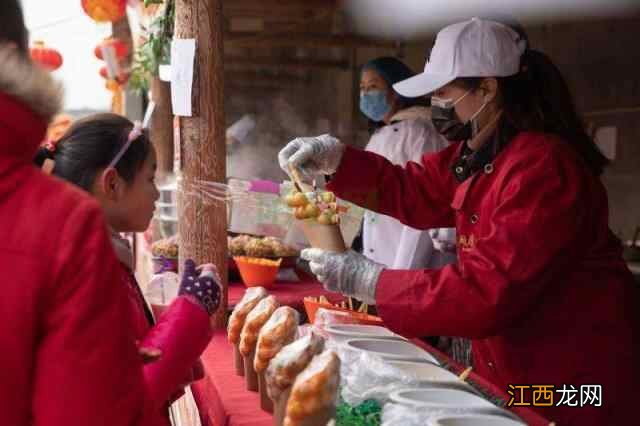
x=297 y=179
x=463 y=376
x=350 y=303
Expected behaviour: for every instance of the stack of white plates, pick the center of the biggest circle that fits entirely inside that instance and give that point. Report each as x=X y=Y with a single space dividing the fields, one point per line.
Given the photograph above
x=431 y=375
x=391 y=349
x=443 y=399
x=475 y=420
x=343 y=332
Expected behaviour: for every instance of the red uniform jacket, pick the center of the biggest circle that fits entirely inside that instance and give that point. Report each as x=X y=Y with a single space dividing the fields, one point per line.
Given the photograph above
x=67 y=349
x=540 y=287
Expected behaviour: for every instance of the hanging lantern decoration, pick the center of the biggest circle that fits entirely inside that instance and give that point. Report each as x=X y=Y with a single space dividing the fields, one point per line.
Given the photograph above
x=120 y=48
x=115 y=85
x=47 y=57
x=105 y=10
x=114 y=51
x=104 y=73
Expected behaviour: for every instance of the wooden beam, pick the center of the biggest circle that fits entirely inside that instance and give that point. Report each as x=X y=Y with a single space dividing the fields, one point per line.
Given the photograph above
x=232 y=62
x=305 y=40
x=203 y=226
x=265 y=8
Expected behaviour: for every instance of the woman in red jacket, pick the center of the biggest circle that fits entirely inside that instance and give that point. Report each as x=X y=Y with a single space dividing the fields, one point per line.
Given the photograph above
x=114 y=160
x=67 y=349
x=541 y=286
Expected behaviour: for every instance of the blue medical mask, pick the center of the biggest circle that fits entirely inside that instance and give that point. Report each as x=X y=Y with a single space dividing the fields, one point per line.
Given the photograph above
x=374 y=104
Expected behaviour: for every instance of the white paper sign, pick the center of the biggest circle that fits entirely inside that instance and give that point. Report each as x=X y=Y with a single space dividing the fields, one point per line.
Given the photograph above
x=164 y=72
x=606 y=139
x=146 y=121
x=183 y=53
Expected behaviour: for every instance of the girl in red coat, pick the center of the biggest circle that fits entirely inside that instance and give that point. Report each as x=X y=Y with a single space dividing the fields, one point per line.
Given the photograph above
x=114 y=160
x=541 y=286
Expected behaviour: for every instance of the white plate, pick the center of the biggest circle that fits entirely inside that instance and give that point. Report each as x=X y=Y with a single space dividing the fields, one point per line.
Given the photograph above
x=344 y=332
x=439 y=398
x=431 y=375
x=391 y=349
x=475 y=420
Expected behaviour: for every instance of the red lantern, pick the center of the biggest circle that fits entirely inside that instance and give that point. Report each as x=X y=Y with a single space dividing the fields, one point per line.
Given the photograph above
x=105 y=10
x=104 y=73
x=119 y=46
x=122 y=79
x=50 y=59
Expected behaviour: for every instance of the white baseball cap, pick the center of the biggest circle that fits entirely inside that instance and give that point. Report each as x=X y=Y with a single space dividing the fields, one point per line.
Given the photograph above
x=474 y=48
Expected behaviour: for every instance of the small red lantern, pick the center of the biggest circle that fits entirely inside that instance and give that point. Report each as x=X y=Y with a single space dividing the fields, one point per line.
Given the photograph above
x=47 y=57
x=104 y=73
x=119 y=46
x=105 y=10
x=121 y=79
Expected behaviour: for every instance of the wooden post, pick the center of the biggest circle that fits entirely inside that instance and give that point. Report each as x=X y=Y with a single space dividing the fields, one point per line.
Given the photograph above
x=201 y=141
x=162 y=126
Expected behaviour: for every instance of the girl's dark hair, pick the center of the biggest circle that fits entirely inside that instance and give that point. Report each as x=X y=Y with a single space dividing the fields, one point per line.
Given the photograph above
x=12 y=27
x=538 y=99
x=90 y=145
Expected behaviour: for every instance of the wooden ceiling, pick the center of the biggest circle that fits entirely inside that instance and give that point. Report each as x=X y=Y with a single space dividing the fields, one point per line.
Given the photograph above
x=276 y=41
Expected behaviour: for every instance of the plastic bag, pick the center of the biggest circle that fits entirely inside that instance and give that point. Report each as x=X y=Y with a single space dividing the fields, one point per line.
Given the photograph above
x=249 y=300
x=365 y=376
x=162 y=288
x=290 y=361
x=280 y=330
x=406 y=415
x=254 y=322
x=314 y=394
x=350 y=221
x=325 y=317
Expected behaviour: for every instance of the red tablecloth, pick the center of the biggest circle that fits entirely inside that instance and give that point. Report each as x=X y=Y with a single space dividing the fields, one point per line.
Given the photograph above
x=288 y=293
x=222 y=397
x=224 y=401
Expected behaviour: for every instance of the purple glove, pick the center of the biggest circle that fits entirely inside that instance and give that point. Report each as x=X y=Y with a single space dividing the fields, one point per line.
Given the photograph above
x=204 y=288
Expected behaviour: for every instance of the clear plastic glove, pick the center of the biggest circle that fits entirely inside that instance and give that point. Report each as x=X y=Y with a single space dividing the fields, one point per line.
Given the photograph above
x=318 y=155
x=203 y=287
x=349 y=273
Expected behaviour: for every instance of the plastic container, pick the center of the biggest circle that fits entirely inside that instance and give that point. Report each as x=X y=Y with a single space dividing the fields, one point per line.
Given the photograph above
x=254 y=274
x=164 y=264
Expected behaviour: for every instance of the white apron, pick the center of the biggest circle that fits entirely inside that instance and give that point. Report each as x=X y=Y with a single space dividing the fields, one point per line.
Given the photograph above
x=386 y=240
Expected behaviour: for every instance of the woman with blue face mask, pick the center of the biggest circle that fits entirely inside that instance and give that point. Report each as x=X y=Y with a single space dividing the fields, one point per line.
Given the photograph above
x=402 y=132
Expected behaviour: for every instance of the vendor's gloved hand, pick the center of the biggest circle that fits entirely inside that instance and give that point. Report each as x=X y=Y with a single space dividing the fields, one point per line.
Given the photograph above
x=312 y=155
x=349 y=273
x=203 y=287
